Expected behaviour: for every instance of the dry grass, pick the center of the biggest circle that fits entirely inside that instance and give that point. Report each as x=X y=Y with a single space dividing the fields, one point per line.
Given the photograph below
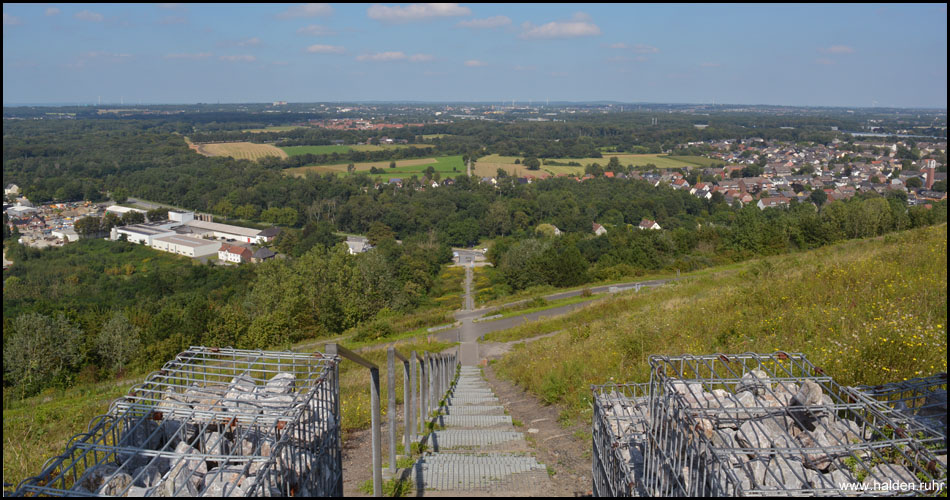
x=241 y=150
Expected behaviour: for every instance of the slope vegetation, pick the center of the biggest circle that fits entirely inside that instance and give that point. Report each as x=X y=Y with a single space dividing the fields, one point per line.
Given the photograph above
x=866 y=311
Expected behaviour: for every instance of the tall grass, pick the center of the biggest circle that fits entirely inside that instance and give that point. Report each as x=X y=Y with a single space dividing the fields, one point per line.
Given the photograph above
x=866 y=311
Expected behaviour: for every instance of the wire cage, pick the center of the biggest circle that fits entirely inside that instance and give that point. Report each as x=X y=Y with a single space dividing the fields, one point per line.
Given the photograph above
x=211 y=422
x=918 y=405
x=772 y=424
x=620 y=424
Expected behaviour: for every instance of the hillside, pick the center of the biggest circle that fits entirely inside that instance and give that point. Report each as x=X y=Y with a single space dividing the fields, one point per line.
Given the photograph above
x=866 y=311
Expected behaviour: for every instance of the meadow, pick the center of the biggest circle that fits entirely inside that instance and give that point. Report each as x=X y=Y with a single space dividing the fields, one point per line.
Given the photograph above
x=241 y=150
x=488 y=166
x=866 y=311
x=446 y=166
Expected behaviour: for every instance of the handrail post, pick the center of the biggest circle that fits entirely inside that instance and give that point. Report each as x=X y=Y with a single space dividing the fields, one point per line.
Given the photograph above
x=413 y=379
x=424 y=399
x=391 y=409
x=332 y=351
x=377 y=454
x=406 y=409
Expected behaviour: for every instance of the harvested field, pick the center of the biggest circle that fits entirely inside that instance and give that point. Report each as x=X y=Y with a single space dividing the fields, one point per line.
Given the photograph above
x=489 y=165
x=241 y=150
x=328 y=149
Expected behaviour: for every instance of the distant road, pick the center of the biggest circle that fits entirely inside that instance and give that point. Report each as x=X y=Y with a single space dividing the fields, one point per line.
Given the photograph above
x=469 y=332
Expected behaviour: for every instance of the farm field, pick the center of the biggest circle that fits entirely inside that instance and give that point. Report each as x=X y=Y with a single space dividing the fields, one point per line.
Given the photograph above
x=329 y=149
x=278 y=128
x=241 y=150
x=435 y=136
x=446 y=166
x=488 y=166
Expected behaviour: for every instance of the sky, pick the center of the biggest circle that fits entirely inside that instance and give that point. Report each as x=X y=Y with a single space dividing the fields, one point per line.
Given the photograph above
x=850 y=55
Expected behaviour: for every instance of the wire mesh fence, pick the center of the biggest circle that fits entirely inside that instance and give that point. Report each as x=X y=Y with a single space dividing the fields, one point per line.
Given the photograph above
x=757 y=425
x=211 y=422
x=918 y=405
x=620 y=424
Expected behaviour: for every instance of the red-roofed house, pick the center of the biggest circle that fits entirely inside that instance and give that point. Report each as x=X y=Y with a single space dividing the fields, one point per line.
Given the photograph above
x=649 y=224
x=599 y=230
x=234 y=253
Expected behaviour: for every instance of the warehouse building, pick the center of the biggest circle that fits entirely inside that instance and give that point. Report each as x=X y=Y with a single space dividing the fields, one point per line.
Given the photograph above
x=184 y=245
x=143 y=233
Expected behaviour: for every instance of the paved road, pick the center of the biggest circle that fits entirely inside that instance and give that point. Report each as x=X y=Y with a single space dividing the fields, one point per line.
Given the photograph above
x=469 y=332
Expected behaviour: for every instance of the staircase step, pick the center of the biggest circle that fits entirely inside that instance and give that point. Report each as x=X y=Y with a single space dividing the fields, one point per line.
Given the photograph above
x=473 y=420
x=448 y=439
x=452 y=401
x=475 y=410
x=454 y=472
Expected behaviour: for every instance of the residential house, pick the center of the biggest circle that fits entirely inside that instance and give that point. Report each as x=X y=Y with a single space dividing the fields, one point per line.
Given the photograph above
x=649 y=224
x=234 y=253
x=262 y=254
x=599 y=230
x=776 y=201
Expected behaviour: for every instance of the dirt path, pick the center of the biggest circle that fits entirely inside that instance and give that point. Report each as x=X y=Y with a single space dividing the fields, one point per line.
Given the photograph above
x=565 y=450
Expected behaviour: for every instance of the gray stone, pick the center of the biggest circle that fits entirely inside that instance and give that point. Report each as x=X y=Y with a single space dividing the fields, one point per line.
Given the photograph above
x=104 y=479
x=762 y=434
x=817 y=459
x=282 y=383
x=809 y=395
x=137 y=491
x=755 y=381
x=787 y=474
x=215 y=443
x=884 y=477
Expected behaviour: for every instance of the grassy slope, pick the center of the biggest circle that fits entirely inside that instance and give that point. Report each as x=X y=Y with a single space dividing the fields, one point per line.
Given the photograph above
x=866 y=311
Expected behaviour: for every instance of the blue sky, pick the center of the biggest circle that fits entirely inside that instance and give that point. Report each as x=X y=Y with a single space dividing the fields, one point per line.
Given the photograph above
x=820 y=55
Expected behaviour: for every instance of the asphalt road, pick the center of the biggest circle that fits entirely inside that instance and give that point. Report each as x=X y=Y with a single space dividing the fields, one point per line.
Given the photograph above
x=469 y=332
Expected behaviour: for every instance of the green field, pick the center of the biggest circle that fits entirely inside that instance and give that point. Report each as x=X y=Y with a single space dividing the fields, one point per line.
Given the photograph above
x=329 y=149
x=866 y=311
x=446 y=166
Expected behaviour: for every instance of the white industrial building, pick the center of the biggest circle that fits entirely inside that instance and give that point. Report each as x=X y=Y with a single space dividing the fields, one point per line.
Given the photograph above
x=227 y=231
x=185 y=245
x=143 y=233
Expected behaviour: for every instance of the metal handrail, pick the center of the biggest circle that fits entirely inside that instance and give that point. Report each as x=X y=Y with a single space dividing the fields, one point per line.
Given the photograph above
x=421 y=394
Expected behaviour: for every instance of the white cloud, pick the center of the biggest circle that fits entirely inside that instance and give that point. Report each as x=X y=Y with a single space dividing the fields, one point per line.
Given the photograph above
x=307 y=10
x=642 y=48
x=316 y=30
x=382 y=57
x=475 y=63
x=52 y=11
x=9 y=20
x=578 y=26
x=325 y=49
x=487 y=23
x=87 y=15
x=836 y=49
x=250 y=42
x=620 y=45
x=241 y=58
x=421 y=58
x=416 y=12
x=197 y=56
